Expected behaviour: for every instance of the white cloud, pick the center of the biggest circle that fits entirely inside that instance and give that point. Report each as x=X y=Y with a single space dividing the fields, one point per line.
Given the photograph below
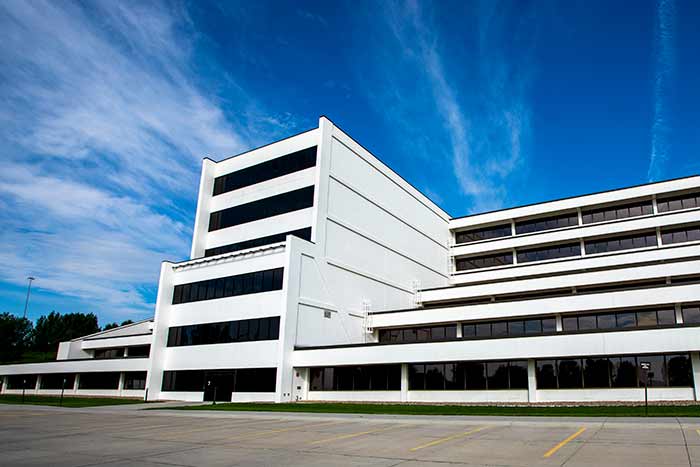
x=487 y=118
x=665 y=65
x=104 y=121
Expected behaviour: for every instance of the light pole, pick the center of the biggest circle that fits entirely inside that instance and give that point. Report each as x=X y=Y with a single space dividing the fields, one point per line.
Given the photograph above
x=29 y=289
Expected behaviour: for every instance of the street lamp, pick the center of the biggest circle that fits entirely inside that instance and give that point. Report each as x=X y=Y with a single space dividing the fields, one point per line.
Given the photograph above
x=29 y=289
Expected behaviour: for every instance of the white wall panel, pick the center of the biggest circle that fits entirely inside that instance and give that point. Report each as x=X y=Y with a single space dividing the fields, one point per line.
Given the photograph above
x=468 y=396
x=258 y=354
x=271 y=225
x=257 y=305
x=544 y=306
x=608 y=343
x=574 y=202
x=355 y=396
x=623 y=395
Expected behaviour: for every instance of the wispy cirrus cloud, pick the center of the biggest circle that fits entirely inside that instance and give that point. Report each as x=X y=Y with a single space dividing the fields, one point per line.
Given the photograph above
x=665 y=64
x=103 y=123
x=484 y=112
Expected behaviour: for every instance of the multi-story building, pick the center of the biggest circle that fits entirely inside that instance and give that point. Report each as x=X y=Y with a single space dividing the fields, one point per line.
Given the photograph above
x=317 y=273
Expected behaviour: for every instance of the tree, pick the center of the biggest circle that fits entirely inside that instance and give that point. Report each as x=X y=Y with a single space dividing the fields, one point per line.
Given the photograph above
x=109 y=326
x=55 y=328
x=15 y=336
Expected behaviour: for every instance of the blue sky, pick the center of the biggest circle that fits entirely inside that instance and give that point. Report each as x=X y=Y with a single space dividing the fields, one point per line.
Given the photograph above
x=107 y=108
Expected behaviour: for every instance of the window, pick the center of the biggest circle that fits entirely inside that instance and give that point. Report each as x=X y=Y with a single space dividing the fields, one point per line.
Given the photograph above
x=624 y=372
x=680 y=371
x=241 y=284
x=261 y=209
x=105 y=380
x=270 y=239
x=422 y=334
x=21 y=381
x=622 y=211
x=680 y=235
x=109 y=353
x=596 y=372
x=244 y=380
x=267 y=170
x=357 y=378
x=546 y=223
x=496 y=231
x=691 y=314
x=256 y=329
x=184 y=380
x=626 y=319
x=674 y=203
x=462 y=376
x=569 y=373
x=139 y=351
x=255 y=380
x=135 y=380
x=613 y=371
x=56 y=381
x=480 y=262
x=553 y=252
x=640 y=240
x=546 y=371
x=512 y=328
x=497 y=375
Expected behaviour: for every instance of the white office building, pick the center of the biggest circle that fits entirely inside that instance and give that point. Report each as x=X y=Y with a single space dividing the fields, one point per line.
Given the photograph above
x=318 y=273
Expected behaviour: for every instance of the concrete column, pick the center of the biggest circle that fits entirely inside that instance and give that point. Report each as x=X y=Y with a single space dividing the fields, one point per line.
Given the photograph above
x=512 y=227
x=121 y=383
x=404 y=382
x=695 y=361
x=76 y=384
x=557 y=320
x=37 y=386
x=459 y=330
x=531 y=381
x=654 y=205
x=658 y=237
x=515 y=256
x=580 y=216
x=4 y=385
x=583 y=248
x=679 y=313
x=126 y=352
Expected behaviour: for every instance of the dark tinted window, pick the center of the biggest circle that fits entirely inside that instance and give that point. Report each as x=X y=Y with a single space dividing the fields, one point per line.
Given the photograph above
x=691 y=314
x=244 y=380
x=680 y=235
x=105 y=380
x=256 y=329
x=21 y=381
x=241 y=284
x=139 y=351
x=621 y=211
x=489 y=261
x=357 y=378
x=617 y=372
x=420 y=334
x=56 y=381
x=552 y=252
x=270 y=239
x=626 y=242
x=686 y=201
x=110 y=353
x=496 y=231
x=273 y=206
x=267 y=170
x=135 y=380
x=255 y=380
x=546 y=223
x=465 y=376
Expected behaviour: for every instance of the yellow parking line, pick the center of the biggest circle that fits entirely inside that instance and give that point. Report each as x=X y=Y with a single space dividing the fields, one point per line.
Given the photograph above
x=350 y=435
x=564 y=442
x=698 y=431
x=282 y=430
x=448 y=438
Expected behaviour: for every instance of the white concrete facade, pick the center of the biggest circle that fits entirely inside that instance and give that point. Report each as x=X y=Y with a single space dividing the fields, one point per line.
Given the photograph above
x=382 y=258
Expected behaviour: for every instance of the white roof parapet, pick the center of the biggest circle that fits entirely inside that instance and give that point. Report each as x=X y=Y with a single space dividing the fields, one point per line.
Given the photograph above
x=552 y=207
x=236 y=255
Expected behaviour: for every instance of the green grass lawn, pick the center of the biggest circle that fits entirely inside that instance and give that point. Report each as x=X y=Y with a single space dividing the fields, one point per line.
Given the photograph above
x=67 y=401
x=405 y=409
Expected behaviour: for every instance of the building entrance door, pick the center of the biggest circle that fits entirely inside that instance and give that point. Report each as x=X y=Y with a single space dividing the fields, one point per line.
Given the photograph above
x=218 y=386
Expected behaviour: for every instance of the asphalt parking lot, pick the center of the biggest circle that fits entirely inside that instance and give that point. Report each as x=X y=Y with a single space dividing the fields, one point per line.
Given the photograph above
x=33 y=435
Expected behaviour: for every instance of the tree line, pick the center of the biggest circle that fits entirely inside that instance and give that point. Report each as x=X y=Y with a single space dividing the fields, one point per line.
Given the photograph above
x=21 y=340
